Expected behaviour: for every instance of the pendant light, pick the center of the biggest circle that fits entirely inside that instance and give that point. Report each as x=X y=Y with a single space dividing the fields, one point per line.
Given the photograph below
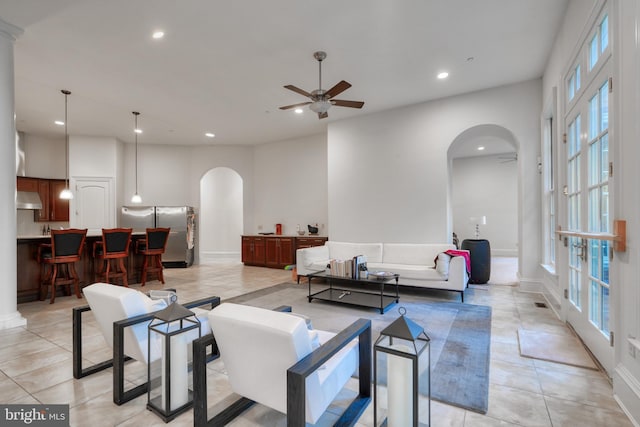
x=66 y=194
x=136 y=197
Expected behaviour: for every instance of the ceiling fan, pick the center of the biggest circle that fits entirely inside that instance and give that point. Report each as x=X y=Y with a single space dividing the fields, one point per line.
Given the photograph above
x=322 y=100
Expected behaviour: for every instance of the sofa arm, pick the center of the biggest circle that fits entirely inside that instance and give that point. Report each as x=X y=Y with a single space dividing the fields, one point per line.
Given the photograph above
x=458 y=276
x=306 y=257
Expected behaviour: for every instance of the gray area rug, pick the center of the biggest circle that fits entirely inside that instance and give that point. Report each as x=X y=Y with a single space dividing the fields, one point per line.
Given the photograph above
x=460 y=335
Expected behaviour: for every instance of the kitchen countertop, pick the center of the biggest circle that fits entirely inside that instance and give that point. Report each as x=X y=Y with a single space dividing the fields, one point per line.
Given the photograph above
x=48 y=236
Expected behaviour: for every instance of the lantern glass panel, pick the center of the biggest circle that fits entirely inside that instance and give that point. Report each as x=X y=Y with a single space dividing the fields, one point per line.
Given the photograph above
x=402 y=381
x=170 y=383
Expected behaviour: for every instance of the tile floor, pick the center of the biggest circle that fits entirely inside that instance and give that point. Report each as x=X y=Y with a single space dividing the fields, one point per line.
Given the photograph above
x=35 y=362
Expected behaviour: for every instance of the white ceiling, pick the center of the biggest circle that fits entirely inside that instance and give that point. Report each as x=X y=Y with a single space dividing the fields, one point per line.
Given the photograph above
x=222 y=64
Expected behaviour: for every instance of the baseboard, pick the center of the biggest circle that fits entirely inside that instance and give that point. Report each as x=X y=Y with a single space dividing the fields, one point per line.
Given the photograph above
x=626 y=389
x=530 y=285
x=213 y=257
x=504 y=252
x=12 y=320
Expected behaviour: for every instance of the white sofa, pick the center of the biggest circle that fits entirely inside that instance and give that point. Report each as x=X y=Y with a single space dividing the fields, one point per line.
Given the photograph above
x=414 y=262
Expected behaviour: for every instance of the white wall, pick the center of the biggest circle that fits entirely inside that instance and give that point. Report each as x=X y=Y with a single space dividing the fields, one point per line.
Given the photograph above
x=291 y=185
x=44 y=157
x=487 y=186
x=388 y=172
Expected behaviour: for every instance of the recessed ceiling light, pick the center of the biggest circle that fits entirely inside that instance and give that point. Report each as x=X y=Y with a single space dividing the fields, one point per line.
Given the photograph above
x=210 y=135
x=480 y=148
x=443 y=75
x=137 y=130
x=298 y=110
x=158 y=34
x=59 y=122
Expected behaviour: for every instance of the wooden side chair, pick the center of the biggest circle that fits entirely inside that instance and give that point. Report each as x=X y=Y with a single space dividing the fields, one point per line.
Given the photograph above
x=60 y=256
x=112 y=251
x=152 y=248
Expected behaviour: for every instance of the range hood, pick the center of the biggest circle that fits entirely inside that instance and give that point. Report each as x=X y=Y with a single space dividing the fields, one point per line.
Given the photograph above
x=28 y=200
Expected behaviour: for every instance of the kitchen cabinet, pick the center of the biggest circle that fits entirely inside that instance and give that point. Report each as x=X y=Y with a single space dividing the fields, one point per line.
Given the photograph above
x=253 y=250
x=27 y=184
x=53 y=207
x=279 y=251
x=275 y=251
x=308 y=242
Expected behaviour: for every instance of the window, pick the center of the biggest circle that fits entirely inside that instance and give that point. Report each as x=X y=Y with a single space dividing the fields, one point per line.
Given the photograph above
x=599 y=42
x=573 y=85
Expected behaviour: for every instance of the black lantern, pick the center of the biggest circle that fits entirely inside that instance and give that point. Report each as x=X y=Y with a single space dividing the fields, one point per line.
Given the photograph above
x=170 y=332
x=402 y=392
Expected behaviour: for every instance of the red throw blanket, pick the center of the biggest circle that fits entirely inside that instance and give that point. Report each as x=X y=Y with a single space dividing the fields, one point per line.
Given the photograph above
x=454 y=252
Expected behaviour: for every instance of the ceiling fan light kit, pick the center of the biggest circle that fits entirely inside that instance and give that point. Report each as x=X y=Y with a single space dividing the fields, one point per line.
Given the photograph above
x=322 y=100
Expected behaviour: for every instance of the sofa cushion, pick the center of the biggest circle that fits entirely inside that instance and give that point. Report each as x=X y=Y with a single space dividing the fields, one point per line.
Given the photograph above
x=344 y=250
x=413 y=253
x=421 y=272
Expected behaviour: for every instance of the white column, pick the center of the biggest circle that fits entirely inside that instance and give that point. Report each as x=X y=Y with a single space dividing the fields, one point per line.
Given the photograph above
x=10 y=317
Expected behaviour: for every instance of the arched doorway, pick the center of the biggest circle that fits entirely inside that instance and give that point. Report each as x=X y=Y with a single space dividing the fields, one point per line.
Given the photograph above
x=483 y=173
x=221 y=216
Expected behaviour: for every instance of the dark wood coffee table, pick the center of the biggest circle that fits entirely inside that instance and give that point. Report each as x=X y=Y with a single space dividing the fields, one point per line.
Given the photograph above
x=370 y=295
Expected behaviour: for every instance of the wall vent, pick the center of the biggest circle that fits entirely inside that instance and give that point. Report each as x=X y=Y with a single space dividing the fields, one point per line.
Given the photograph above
x=540 y=305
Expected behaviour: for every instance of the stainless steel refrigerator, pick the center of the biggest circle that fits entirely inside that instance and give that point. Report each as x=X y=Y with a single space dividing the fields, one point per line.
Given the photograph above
x=181 y=220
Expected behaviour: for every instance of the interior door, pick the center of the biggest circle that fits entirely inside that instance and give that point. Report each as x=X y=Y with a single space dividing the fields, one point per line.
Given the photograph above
x=588 y=199
x=93 y=206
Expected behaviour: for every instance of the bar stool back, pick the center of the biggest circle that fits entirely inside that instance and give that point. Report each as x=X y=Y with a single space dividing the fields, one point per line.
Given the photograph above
x=112 y=252
x=61 y=255
x=152 y=249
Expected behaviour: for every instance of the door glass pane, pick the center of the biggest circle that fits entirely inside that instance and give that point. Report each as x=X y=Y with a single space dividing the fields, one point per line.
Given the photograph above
x=594 y=258
x=605 y=310
x=593 y=52
x=604 y=206
x=594 y=209
x=593 y=117
x=604 y=155
x=604 y=33
x=594 y=164
x=605 y=262
x=594 y=305
x=604 y=107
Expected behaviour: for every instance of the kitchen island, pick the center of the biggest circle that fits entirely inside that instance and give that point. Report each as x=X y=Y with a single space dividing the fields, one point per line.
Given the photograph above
x=29 y=271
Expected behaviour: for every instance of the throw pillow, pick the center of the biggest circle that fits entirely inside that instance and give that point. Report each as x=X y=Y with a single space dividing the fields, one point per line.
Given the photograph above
x=442 y=264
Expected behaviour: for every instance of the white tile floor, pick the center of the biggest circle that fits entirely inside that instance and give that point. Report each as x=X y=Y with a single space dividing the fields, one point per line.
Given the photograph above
x=35 y=361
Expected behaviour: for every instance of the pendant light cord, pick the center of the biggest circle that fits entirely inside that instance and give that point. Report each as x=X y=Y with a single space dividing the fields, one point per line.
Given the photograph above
x=135 y=131
x=66 y=138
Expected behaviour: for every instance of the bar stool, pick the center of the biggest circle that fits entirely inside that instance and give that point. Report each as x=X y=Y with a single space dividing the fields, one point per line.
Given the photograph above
x=152 y=249
x=112 y=251
x=61 y=255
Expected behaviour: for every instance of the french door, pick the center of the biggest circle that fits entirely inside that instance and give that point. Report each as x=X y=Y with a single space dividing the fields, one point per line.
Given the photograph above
x=587 y=193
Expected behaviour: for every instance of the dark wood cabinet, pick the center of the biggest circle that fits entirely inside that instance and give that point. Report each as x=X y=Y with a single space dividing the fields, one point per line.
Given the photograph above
x=253 y=250
x=53 y=207
x=279 y=251
x=58 y=208
x=308 y=242
x=275 y=251
x=27 y=184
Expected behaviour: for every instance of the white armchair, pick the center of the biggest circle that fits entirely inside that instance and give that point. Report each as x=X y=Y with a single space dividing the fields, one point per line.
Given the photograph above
x=123 y=315
x=272 y=358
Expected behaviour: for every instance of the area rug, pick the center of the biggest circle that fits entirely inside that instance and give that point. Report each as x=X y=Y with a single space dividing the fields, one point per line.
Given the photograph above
x=460 y=336
x=559 y=348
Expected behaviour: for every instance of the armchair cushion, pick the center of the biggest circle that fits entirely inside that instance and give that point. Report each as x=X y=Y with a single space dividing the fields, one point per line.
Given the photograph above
x=259 y=345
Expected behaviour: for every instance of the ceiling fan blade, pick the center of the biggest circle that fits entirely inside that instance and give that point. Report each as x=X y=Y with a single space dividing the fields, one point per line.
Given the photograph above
x=343 y=103
x=323 y=115
x=302 y=104
x=298 y=90
x=337 y=89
